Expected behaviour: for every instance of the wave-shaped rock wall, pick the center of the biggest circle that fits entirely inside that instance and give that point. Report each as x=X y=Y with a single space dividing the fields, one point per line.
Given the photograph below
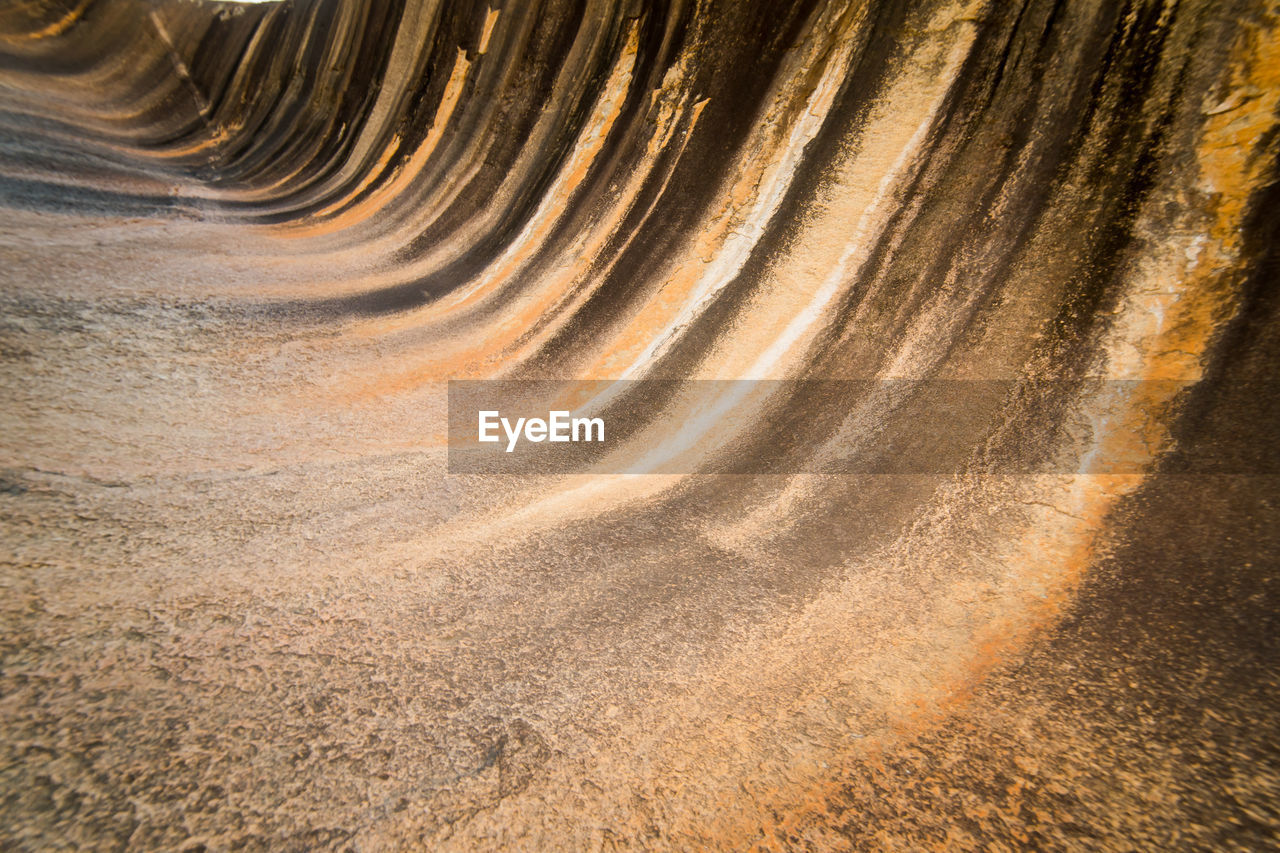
x=246 y=246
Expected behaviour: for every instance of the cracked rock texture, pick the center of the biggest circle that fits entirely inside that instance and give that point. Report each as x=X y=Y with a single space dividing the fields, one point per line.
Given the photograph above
x=245 y=606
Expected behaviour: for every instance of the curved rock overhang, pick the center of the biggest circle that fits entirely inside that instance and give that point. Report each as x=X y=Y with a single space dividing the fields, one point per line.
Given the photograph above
x=246 y=247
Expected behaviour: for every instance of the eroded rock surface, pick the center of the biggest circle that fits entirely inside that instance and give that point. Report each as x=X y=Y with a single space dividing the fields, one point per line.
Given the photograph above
x=244 y=248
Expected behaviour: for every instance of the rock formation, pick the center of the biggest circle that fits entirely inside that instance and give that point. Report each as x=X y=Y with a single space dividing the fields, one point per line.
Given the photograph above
x=247 y=606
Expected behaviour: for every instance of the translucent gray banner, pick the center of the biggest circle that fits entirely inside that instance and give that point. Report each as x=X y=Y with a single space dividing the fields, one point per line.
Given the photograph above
x=899 y=426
